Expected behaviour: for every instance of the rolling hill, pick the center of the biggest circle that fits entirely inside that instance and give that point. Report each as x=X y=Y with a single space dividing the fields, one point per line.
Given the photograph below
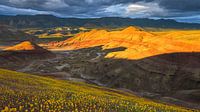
x=26 y=46
x=24 y=92
x=46 y=21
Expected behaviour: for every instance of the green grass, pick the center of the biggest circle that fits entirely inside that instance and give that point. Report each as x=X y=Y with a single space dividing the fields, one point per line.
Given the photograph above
x=24 y=92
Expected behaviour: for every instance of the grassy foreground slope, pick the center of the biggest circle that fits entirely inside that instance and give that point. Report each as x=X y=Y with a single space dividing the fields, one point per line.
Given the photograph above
x=24 y=92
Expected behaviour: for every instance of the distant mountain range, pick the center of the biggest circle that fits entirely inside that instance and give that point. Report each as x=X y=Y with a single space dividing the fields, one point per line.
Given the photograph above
x=46 y=21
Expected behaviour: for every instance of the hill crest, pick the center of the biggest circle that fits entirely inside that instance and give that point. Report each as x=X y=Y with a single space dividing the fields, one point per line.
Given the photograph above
x=131 y=29
x=25 y=46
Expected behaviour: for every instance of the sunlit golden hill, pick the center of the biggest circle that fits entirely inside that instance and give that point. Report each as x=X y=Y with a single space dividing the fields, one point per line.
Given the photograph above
x=138 y=43
x=26 y=46
x=22 y=53
x=31 y=48
x=24 y=92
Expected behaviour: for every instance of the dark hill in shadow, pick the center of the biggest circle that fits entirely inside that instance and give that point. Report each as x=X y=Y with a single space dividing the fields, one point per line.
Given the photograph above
x=182 y=69
x=10 y=35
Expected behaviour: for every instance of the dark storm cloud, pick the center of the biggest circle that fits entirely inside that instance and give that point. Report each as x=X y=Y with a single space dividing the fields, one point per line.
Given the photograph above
x=181 y=5
x=99 y=8
x=57 y=5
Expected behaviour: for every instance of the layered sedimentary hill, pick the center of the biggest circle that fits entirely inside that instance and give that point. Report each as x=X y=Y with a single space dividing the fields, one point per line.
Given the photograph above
x=113 y=39
x=26 y=46
x=138 y=43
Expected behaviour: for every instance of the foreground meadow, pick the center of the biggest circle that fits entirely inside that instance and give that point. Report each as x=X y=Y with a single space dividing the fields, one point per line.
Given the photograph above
x=29 y=93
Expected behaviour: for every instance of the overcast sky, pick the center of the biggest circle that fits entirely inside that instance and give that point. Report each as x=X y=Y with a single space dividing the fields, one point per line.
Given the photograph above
x=181 y=10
